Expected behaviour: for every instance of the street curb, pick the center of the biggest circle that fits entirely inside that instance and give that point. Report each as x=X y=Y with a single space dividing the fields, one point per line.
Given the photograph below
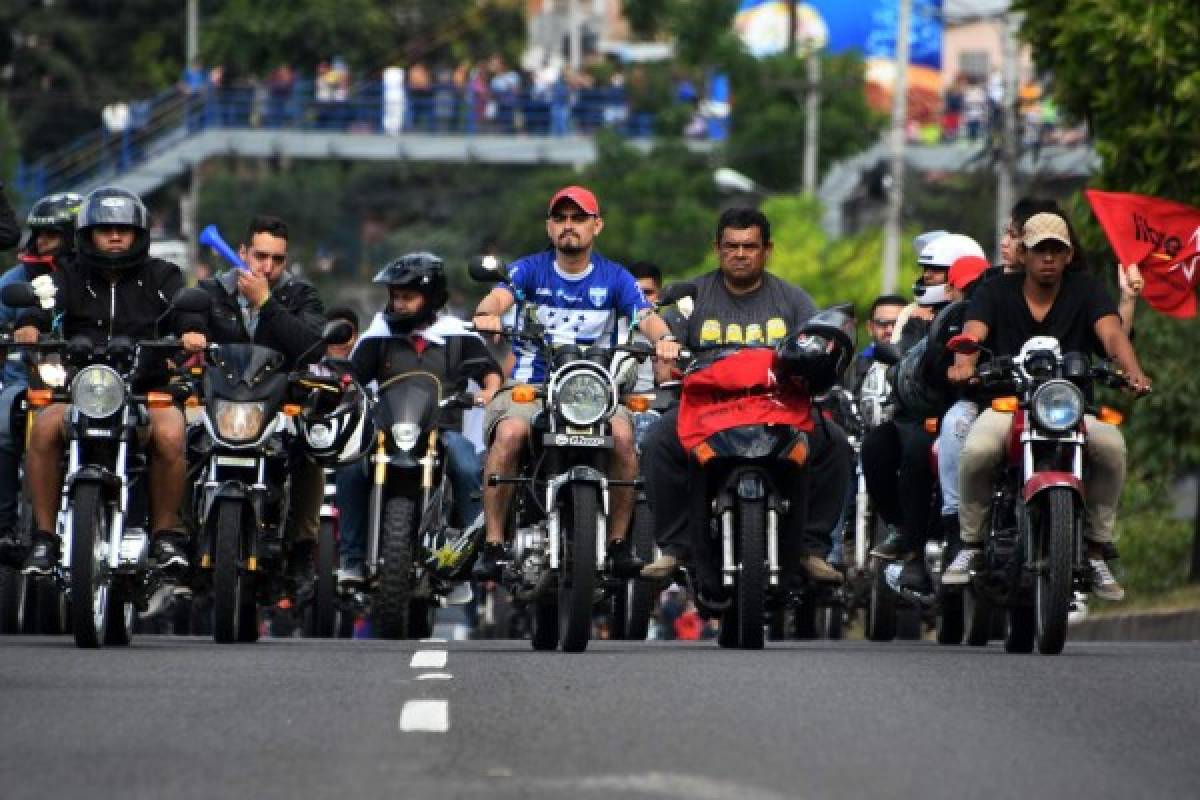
x=1142 y=626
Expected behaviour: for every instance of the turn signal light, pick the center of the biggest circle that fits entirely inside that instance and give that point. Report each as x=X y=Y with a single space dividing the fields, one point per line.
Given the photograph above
x=524 y=393
x=252 y=564
x=292 y=409
x=159 y=400
x=39 y=398
x=1110 y=415
x=799 y=453
x=703 y=453
x=637 y=403
x=931 y=424
x=1005 y=405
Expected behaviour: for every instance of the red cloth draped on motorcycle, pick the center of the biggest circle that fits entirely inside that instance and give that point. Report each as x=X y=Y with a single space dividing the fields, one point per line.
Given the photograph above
x=739 y=389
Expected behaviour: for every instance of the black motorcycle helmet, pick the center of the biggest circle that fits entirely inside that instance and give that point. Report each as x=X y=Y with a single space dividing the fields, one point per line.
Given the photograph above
x=821 y=351
x=106 y=207
x=422 y=272
x=54 y=212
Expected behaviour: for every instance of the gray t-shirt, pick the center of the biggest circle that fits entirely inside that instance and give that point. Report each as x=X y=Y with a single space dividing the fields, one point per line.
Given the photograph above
x=765 y=316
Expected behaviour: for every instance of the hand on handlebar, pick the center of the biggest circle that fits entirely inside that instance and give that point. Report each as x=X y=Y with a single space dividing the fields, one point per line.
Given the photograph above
x=194 y=342
x=1138 y=383
x=488 y=323
x=26 y=335
x=666 y=349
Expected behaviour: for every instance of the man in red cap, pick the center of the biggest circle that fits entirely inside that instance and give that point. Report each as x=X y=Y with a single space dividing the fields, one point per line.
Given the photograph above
x=578 y=295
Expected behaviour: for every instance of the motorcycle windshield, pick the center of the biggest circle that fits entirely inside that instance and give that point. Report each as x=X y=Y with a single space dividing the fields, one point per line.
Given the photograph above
x=412 y=398
x=245 y=371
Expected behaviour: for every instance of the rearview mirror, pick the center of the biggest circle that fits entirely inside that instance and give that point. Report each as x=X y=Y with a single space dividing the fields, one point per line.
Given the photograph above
x=963 y=345
x=337 y=331
x=192 y=301
x=18 y=295
x=676 y=292
x=487 y=269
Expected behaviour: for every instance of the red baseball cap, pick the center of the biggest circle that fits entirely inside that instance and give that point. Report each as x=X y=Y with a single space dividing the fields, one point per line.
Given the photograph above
x=579 y=196
x=966 y=270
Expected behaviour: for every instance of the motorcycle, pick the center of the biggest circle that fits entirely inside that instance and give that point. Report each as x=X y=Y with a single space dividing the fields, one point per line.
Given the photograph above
x=242 y=491
x=414 y=558
x=1034 y=559
x=560 y=511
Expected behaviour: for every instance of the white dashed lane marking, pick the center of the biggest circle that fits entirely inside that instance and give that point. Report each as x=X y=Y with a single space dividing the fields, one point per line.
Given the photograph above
x=434 y=676
x=425 y=716
x=428 y=659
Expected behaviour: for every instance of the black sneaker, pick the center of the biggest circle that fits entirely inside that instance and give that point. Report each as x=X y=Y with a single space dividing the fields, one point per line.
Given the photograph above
x=489 y=566
x=620 y=562
x=170 y=551
x=43 y=555
x=300 y=559
x=895 y=546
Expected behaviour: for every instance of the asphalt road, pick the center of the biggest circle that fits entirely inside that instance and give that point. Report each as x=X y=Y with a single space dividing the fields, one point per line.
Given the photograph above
x=185 y=718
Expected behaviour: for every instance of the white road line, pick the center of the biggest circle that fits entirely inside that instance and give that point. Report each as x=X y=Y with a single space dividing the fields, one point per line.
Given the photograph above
x=434 y=676
x=433 y=641
x=425 y=716
x=428 y=659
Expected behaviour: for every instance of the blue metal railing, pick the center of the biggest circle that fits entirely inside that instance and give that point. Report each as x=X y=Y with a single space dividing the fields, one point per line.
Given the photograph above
x=172 y=115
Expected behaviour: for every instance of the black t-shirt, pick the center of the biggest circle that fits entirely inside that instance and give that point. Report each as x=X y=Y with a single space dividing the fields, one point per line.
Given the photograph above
x=764 y=316
x=1081 y=302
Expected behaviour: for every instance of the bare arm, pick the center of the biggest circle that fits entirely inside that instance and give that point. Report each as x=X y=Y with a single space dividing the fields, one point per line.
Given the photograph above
x=491 y=308
x=1111 y=334
x=964 y=365
x=656 y=330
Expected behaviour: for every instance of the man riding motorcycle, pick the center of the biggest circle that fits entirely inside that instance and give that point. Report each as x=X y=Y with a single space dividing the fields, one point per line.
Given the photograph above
x=49 y=243
x=740 y=302
x=579 y=295
x=1075 y=309
x=409 y=336
x=113 y=288
x=269 y=306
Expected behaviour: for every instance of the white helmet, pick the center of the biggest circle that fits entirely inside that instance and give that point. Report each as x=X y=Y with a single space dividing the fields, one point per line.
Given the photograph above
x=945 y=250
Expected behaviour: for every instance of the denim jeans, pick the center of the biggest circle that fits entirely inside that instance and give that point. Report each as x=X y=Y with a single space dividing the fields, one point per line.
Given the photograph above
x=955 y=427
x=10 y=462
x=463 y=468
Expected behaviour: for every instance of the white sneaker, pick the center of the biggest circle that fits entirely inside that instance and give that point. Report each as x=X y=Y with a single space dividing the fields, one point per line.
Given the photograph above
x=460 y=595
x=1104 y=585
x=351 y=575
x=959 y=571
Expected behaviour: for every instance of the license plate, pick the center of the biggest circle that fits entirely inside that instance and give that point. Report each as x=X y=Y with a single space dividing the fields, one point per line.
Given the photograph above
x=237 y=461
x=575 y=440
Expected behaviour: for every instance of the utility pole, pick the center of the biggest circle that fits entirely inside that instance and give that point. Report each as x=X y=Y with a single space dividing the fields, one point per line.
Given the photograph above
x=574 y=35
x=891 y=240
x=812 y=108
x=1007 y=163
x=193 y=32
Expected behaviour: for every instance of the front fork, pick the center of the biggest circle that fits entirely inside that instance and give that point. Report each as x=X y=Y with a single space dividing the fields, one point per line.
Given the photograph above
x=729 y=564
x=379 y=480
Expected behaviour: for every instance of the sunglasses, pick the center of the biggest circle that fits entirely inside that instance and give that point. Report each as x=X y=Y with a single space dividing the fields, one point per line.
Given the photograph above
x=884 y=323
x=577 y=219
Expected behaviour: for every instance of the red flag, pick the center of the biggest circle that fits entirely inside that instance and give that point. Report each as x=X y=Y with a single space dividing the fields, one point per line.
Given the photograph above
x=1160 y=236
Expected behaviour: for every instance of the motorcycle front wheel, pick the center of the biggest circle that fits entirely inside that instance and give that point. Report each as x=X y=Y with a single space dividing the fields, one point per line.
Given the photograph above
x=322 y=614
x=91 y=591
x=235 y=610
x=1052 y=587
x=577 y=573
x=751 y=584
x=395 y=573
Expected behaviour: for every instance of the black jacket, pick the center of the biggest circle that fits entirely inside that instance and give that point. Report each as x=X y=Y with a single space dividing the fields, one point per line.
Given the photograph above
x=128 y=303
x=290 y=321
x=10 y=229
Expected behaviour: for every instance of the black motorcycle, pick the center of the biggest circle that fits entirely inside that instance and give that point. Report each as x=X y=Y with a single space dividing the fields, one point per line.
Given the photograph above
x=414 y=558
x=241 y=496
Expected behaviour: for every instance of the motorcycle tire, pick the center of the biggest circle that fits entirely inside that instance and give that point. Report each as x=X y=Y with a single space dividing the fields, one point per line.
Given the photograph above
x=421 y=619
x=1054 y=582
x=806 y=626
x=641 y=593
x=777 y=625
x=977 y=618
x=12 y=586
x=831 y=621
x=235 y=607
x=394 y=592
x=881 y=607
x=90 y=589
x=950 y=622
x=752 y=575
x=1022 y=630
x=727 y=634
x=577 y=574
x=181 y=616
x=322 y=612
x=545 y=622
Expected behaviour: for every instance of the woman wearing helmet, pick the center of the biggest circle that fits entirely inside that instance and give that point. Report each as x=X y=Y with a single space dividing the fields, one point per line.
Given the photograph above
x=48 y=241
x=406 y=336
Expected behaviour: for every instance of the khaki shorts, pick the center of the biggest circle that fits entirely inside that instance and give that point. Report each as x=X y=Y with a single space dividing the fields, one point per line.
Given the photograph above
x=503 y=407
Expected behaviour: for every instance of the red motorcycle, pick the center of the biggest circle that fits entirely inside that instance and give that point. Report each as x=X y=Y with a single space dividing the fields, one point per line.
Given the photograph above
x=1034 y=555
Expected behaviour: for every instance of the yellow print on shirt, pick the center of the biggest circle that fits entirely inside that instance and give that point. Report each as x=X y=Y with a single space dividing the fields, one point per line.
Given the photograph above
x=733 y=333
x=754 y=334
x=710 y=332
x=776 y=330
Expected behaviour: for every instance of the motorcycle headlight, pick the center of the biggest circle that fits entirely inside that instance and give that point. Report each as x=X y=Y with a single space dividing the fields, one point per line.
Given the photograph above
x=405 y=434
x=322 y=435
x=1057 y=406
x=97 y=392
x=583 y=397
x=240 y=421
